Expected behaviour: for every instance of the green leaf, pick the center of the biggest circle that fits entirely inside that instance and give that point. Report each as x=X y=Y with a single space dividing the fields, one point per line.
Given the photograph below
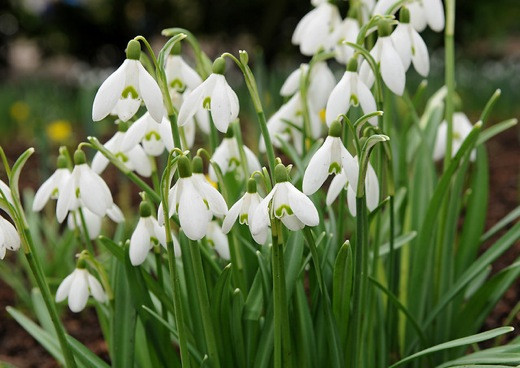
x=342 y=280
x=455 y=343
x=495 y=130
x=17 y=170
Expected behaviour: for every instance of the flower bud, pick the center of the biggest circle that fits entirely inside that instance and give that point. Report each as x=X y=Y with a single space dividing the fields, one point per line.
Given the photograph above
x=184 y=167
x=79 y=157
x=335 y=129
x=145 y=210
x=197 y=165
x=251 y=186
x=219 y=65
x=280 y=173
x=133 y=50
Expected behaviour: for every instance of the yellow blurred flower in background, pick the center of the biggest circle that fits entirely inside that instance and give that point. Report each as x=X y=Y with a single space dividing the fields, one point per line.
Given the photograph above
x=19 y=111
x=59 y=130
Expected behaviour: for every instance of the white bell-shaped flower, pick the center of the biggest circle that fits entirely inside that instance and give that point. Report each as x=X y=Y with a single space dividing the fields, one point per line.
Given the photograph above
x=391 y=66
x=215 y=95
x=194 y=200
x=135 y=158
x=346 y=32
x=51 y=187
x=461 y=129
x=218 y=240
x=146 y=235
x=154 y=136
x=84 y=187
x=227 y=157
x=331 y=158
x=427 y=12
x=122 y=92
x=243 y=210
x=410 y=45
x=316 y=29
x=77 y=287
x=350 y=91
x=286 y=203
x=9 y=237
x=93 y=222
x=350 y=179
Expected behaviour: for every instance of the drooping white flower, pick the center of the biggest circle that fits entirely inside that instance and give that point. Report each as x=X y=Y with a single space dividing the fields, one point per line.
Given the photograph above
x=286 y=203
x=244 y=210
x=461 y=128
x=9 y=238
x=215 y=95
x=346 y=32
x=84 y=187
x=316 y=29
x=51 y=187
x=148 y=233
x=427 y=12
x=194 y=200
x=135 y=158
x=350 y=179
x=152 y=135
x=227 y=157
x=391 y=66
x=350 y=91
x=77 y=287
x=331 y=158
x=218 y=240
x=410 y=45
x=122 y=92
x=92 y=221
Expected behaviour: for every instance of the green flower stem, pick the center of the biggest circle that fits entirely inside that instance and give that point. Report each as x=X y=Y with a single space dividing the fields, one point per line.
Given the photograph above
x=240 y=142
x=449 y=47
x=202 y=293
x=282 y=351
x=174 y=273
x=160 y=278
x=213 y=134
x=125 y=170
x=86 y=235
x=255 y=97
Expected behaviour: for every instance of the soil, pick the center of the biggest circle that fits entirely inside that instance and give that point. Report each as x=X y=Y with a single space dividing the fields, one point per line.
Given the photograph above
x=20 y=349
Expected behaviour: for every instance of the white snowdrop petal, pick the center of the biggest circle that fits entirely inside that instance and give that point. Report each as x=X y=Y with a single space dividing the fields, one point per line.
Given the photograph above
x=139 y=243
x=151 y=93
x=371 y=188
x=260 y=221
x=252 y=160
x=232 y=216
x=336 y=186
x=351 y=200
x=216 y=202
x=292 y=222
x=221 y=109
x=417 y=16
x=94 y=192
x=11 y=237
x=292 y=83
x=193 y=213
x=64 y=198
x=109 y=93
x=93 y=223
x=64 y=288
x=420 y=57
x=302 y=207
x=140 y=161
x=96 y=289
x=115 y=214
x=339 y=99
x=440 y=141
x=192 y=103
x=402 y=43
x=78 y=293
x=318 y=169
x=99 y=163
x=392 y=69
x=434 y=12
x=367 y=101
x=135 y=133
x=44 y=193
x=219 y=240
x=160 y=233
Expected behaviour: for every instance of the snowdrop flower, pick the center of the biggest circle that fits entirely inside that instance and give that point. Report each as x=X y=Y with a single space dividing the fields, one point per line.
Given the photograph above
x=331 y=158
x=350 y=179
x=321 y=83
x=286 y=203
x=227 y=157
x=427 y=12
x=135 y=158
x=194 y=200
x=350 y=91
x=244 y=210
x=410 y=46
x=51 y=187
x=84 y=187
x=9 y=238
x=122 y=92
x=218 y=240
x=346 y=32
x=154 y=136
x=461 y=128
x=215 y=95
x=92 y=221
x=391 y=66
x=316 y=29
x=148 y=233
x=78 y=286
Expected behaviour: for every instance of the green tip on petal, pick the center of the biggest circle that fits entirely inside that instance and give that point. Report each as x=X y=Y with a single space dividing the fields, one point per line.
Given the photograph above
x=133 y=50
x=197 y=165
x=352 y=65
x=219 y=65
x=176 y=49
x=62 y=162
x=79 y=157
x=145 y=209
x=123 y=126
x=383 y=28
x=404 y=15
x=184 y=167
x=280 y=173
x=335 y=129
x=251 y=186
